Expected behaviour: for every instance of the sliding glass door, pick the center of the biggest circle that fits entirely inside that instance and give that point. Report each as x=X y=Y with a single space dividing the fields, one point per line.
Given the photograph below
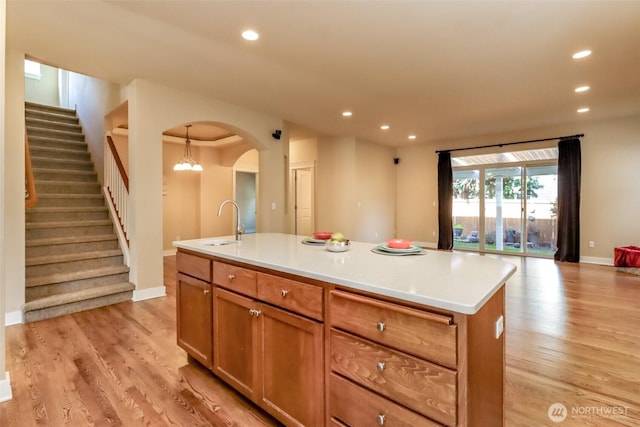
x=506 y=208
x=503 y=213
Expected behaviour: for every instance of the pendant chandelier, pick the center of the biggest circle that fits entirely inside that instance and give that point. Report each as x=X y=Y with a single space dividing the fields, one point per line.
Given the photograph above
x=187 y=163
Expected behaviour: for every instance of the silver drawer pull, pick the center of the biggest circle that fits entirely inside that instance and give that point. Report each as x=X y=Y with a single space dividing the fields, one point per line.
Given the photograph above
x=381 y=419
x=381 y=326
x=205 y=291
x=231 y=277
x=254 y=312
x=381 y=366
x=258 y=312
x=284 y=292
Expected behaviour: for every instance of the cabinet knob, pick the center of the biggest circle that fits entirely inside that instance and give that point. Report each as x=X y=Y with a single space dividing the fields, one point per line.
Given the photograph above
x=205 y=291
x=381 y=419
x=284 y=292
x=381 y=326
x=381 y=366
x=231 y=277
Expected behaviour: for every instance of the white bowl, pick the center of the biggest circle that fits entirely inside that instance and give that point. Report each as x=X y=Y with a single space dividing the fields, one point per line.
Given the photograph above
x=337 y=246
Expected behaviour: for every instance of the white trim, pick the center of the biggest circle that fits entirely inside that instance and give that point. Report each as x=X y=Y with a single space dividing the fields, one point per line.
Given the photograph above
x=596 y=260
x=5 y=388
x=13 y=318
x=169 y=252
x=149 y=293
x=116 y=225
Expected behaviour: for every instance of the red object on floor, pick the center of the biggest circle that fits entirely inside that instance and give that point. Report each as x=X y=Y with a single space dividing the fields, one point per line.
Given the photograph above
x=626 y=256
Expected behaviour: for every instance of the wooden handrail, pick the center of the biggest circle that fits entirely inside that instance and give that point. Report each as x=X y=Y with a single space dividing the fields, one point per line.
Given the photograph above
x=116 y=157
x=30 y=197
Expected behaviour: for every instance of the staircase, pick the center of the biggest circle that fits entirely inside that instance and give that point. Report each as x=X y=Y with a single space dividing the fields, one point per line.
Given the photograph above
x=73 y=261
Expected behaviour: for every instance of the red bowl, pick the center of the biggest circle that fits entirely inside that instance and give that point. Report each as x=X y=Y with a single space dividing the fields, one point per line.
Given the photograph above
x=399 y=243
x=322 y=235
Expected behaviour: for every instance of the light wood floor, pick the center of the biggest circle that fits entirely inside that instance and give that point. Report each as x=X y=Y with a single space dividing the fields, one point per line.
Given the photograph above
x=572 y=334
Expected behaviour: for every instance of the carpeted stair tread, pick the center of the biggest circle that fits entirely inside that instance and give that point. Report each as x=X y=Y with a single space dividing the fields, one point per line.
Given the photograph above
x=52 y=259
x=41 y=107
x=43 y=123
x=58 y=133
x=76 y=296
x=76 y=275
x=67 y=171
x=67 y=209
x=68 y=224
x=70 y=196
x=70 y=240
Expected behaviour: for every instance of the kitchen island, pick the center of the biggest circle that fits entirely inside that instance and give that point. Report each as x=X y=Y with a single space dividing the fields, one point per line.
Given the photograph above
x=351 y=338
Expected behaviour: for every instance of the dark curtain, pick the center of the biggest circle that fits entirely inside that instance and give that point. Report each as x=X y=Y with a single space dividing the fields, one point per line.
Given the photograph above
x=445 y=201
x=569 y=167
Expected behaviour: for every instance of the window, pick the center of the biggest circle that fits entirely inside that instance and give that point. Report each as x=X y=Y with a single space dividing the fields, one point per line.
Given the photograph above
x=32 y=69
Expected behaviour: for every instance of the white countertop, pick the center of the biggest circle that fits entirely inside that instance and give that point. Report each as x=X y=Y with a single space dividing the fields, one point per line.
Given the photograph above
x=459 y=282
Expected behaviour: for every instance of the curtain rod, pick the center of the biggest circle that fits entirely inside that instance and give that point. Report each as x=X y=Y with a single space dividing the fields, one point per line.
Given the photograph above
x=580 y=135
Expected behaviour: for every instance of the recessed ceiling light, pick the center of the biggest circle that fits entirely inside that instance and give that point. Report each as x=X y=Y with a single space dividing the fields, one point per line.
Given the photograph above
x=412 y=137
x=250 y=35
x=583 y=110
x=347 y=114
x=384 y=127
x=582 y=89
x=581 y=54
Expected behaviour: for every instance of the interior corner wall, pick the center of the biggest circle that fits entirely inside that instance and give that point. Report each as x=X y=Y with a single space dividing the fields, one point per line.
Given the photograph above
x=93 y=99
x=356 y=188
x=609 y=206
x=180 y=197
x=14 y=172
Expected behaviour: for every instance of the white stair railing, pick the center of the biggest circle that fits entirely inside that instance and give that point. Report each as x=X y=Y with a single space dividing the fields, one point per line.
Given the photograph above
x=116 y=191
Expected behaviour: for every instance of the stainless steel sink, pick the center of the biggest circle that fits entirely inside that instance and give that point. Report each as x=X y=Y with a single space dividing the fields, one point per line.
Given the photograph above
x=219 y=242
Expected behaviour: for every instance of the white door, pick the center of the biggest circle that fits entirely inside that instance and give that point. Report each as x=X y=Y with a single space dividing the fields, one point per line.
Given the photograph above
x=304 y=202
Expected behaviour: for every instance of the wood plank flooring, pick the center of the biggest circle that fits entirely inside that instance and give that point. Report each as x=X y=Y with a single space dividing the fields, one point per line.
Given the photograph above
x=572 y=336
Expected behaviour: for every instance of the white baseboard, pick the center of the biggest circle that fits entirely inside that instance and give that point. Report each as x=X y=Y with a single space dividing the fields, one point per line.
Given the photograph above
x=13 y=318
x=5 y=388
x=143 y=294
x=169 y=252
x=596 y=260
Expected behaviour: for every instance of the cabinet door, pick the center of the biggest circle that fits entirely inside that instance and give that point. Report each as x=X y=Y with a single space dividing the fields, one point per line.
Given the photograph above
x=194 y=317
x=235 y=336
x=292 y=366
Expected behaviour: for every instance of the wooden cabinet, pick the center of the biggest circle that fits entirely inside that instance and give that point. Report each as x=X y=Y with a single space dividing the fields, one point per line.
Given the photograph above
x=194 y=317
x=272 y=356
x=194 y=302
x=395 y=357
x=388 y=362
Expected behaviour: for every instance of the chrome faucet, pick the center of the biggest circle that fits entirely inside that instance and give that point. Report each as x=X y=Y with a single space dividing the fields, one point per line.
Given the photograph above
x=238 y=230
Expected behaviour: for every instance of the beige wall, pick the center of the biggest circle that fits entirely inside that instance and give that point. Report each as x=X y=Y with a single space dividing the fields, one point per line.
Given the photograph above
x=13 y=170
x=3 y=180
x=153 y=109
x=94 y=99
x=356 y=186
x=609 y=201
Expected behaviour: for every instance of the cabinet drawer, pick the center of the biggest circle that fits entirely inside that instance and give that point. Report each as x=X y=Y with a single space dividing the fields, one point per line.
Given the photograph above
x=238 y=279
x=296 y=296
x=194 y=266
x=356 y=406
x=425 y=387
x=423 y=334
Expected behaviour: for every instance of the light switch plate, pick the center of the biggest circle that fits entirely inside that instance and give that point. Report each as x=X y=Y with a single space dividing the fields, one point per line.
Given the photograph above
x=499 y=326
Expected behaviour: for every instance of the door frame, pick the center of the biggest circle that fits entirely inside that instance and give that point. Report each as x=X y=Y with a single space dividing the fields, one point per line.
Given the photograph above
x=293 y=167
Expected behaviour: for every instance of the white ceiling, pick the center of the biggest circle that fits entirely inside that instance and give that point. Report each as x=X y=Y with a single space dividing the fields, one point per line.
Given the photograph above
x=438 y=69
